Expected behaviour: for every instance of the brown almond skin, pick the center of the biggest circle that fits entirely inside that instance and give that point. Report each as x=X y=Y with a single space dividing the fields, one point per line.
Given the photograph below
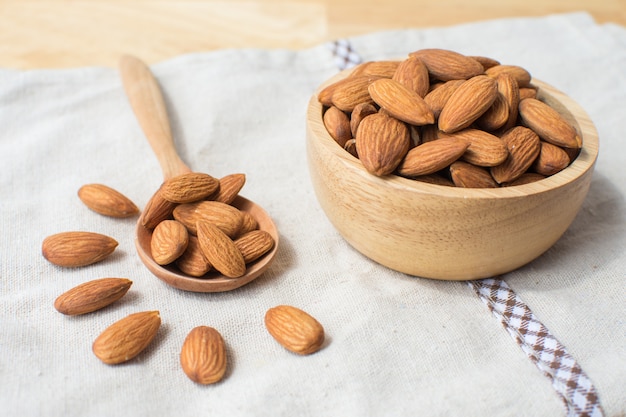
x=127 y=338
x=468 y=102
x=551 y=159
x=508 y=87
x=248 y=223
x=381 y=143
x=91 y=296
x=76 y=249
x=548 y=123
x=384 y=69
x=439 y=96
x=520 y=74
x=193 y=262
x=229 y=188
x=107 y=201
x=525 y=178
x=467 y=175
x=189 y=187
x=254 y=244
x=296 y=330
x=169 y=241
x=360 y=112
x=496 y=116
x=157 y=209
x=228 y=218
x=347 y=93
x=523 y=145
x=413 y=74
x=203 y=355
x=484 y=149
x=220 y=250
x=401 y=102
x=337 y=124
x=448 y=65
x=433 y=156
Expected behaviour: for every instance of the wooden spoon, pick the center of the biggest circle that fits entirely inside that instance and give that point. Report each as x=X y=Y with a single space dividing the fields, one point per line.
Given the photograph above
x=147 y=102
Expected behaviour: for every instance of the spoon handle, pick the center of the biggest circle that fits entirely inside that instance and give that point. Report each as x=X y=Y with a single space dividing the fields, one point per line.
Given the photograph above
x=147 y=103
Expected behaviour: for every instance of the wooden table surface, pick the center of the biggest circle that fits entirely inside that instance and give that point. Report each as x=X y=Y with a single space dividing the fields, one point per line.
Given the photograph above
x=71 y=33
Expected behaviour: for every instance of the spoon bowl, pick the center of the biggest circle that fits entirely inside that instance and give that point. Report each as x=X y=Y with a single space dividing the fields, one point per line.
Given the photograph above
x=147 y=103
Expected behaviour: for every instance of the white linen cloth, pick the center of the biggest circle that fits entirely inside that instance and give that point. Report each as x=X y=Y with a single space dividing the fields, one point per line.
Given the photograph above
x=396 y=345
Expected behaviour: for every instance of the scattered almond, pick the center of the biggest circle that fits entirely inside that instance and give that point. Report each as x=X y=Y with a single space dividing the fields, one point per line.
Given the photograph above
x=92 y=295
x=76 y=249
x=294 y=329
x=203 y=355
x=106 y=201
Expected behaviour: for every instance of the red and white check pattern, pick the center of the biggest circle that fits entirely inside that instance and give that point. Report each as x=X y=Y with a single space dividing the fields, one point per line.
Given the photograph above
x=550 y=356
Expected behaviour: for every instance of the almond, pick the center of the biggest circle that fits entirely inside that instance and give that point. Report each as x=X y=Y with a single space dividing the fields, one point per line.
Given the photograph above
x=527 y=92
x=496 y=116
x=508 y=88
x=448 y=65
x=228 y=218
x=248 y=223
x=294 y=329
x=230 y=186
x=203 y=355
x=435 y=179
x=75 y=249
x=193 y=262
x=350 y=147
x=157 y=210
x=359 y=113
x=525 y=178
x=381 y=143
x=470 y=100
x=484 y=148
x=92 y=295
x=523 y=145
x=169 y=240
x=254 y=244
x=551 y=159
x=337 y=124
x=127 y=338
x=400 y=102
x=471 y=176
x=431 y=157
x=413 y=74
x=384 y=69
x=439 y=96
x=548 y=123
x=220 y=250
x=106 y=201
x=349 y=92
x=189 y=187
x=486 y=61
x=521 y=75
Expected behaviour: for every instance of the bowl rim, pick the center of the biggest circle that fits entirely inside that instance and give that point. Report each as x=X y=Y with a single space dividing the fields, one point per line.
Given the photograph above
x=565 y=105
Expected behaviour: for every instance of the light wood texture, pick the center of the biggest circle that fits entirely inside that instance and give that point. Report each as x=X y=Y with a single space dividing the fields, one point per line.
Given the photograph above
x=70 y=33
x=147 y=102
x=443 y=232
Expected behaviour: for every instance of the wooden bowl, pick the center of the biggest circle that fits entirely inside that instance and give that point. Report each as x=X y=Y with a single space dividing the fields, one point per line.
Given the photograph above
x=448 y=233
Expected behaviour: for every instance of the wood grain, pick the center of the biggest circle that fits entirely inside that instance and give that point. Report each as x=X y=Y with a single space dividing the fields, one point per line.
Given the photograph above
x=66 y=33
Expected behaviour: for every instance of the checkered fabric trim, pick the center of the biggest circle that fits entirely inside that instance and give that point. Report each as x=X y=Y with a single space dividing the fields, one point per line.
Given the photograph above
x=343 y=54
x=550 y=356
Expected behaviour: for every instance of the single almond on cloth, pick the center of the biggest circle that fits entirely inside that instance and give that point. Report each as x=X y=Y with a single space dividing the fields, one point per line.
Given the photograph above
x=381 y=143
x=466 y=175
x=433 y=156
x=520 y=74
x=384 y=69
x=551 y=159
x=230 y=185
x=360 y=112
x=484 y=149
x=523 y=145
x=91 y=296
x=127 y=338
x=157 y=209
x=413 y=74
x=169 y=241
x=227 y=218
x=548 y=123
x=448 y=65
x=189 y=187
x=438 y=96
x=254 y=244
x=193 y=262
x=296 y=330
x=106 y=201
x=401 y=102
x=220 y=250
x=347 y=93
x=76 y=249
x=203 y=355
x=337 y=124
x=470 y=100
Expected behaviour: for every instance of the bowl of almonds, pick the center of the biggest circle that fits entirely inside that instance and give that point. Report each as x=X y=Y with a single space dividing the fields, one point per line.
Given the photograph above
x=448 y=166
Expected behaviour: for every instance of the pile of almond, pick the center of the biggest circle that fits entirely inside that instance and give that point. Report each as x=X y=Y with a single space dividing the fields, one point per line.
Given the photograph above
x=446 y=118
x=195 y=227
